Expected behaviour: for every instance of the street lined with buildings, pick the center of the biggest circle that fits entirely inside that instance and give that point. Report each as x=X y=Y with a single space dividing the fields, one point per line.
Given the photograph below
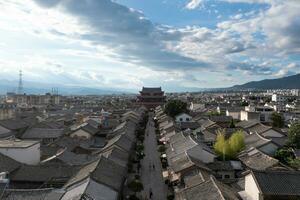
x=151 y=166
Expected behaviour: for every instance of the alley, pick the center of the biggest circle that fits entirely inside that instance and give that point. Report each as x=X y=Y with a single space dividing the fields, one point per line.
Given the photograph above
x=151 y=167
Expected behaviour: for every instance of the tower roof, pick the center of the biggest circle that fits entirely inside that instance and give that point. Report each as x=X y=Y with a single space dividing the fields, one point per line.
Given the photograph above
x=151 y=89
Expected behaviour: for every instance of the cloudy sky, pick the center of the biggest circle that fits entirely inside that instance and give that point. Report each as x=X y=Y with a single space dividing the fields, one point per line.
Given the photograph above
x=177 y=44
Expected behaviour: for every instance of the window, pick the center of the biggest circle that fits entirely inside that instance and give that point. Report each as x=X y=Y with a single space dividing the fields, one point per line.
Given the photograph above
x=226 y=176
x=187 y=119
x=262 y=118
x=180 y=119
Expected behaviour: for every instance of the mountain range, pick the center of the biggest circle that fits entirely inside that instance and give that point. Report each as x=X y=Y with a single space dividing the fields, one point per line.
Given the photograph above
x=42 y=88
x=288 y=82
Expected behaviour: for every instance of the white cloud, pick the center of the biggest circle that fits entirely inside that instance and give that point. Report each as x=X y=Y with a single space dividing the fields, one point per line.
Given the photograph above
x=121 y=47
x=253 y=1
x=193 y=4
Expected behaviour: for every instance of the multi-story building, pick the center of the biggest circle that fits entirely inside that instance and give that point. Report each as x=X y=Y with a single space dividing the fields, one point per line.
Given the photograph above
x=23 y=151
x=151 y=97
x=265 y=112
x=7 y=111
x=24 y=100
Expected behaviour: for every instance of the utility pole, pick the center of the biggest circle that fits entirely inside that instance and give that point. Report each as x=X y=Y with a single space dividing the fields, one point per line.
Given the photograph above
x=20 y=86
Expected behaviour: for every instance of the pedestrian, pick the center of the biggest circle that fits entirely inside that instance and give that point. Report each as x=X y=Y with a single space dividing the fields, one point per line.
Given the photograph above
x=145 y=197
x=150 y=193
x=139 y=167
x=153 y=167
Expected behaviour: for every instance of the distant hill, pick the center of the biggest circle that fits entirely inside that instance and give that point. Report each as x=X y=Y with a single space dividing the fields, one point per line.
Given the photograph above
x=42 y=88
x=289 y=82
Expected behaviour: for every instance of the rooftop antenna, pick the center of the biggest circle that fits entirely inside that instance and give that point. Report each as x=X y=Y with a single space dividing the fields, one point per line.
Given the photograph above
x=20 y=86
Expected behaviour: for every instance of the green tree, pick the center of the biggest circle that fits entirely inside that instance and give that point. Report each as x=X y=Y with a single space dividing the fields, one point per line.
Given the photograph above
x=214 y=113
x=161 y=148
x=295 y=163
x=229 y=148
x=232 y=125
x=284 y=155
x=133 y=197
x=244 y=103
x=277 y=120
x=221 y=146
x=236 y=142
x=139 y=147
x=294 y=135
x=136 y=185
x=175 y=107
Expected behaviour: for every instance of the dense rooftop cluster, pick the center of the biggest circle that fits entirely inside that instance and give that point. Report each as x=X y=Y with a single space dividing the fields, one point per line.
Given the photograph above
x=194 y=170
x=229 y=146
x=67 y=153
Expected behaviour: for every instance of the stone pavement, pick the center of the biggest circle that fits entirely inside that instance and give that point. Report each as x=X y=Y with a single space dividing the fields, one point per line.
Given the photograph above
x=152 y=177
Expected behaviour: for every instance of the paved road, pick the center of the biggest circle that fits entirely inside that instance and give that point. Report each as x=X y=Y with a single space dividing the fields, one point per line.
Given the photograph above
x=152 y=178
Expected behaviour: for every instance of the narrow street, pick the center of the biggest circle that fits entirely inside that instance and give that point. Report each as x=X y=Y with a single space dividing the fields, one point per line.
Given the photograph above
x=151 y=167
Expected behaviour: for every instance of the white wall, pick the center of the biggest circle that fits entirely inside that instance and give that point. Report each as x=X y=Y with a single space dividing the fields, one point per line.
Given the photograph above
x=234 y=115
x=266 y=116
x=30 y=155
x=183 y=118
x=81 y=134
x=6 y=113
x=244 y=115
x=251 y=188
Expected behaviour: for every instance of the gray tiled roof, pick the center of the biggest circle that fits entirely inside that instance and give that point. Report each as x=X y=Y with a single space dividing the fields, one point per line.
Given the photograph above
x=13 y=124
x=109 y=173
x=104 y=171
x=82 y=174
x=220 y=166
x=254 y=140
x=71 y=158
x=122 y=141
x=278 y=182
x=96 y=191
x=220 y=118
x=42 y=133
x=151 y=90
x=247 y=124
x=4 y=132
x=235 y=108
x=3 y=186
x=189 y=125
x=50 y=124
x=257 y=160
x=179 y=144
x=68 y=142
x=211 y=189
x=93 y=123
x=198 y=177
x=180 y=162
x=41 y=173
x=117 y=155
x=259 y=128
x=31 y=194
x=279 y=141
x=90 y=129
x=8 y=164
x=205 y=123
